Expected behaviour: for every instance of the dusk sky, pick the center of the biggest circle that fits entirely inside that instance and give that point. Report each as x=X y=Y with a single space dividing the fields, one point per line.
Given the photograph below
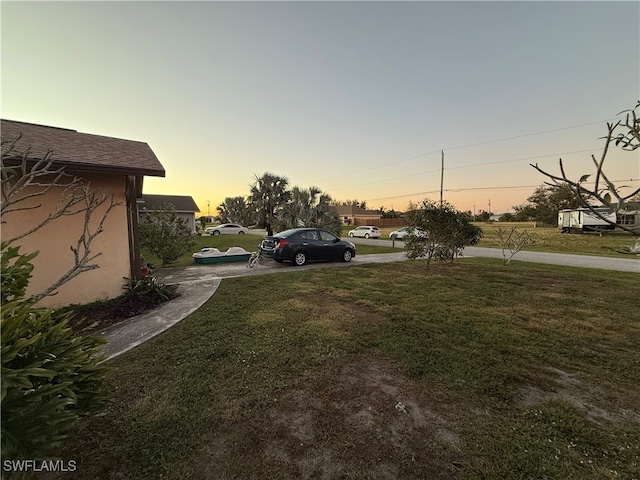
x=356 y=98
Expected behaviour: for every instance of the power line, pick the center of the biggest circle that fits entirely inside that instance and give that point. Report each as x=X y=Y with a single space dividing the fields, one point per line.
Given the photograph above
x=519 y=159
x=456 y=148
x=526 y=135
x=458 y=190
x=375 y=167
x=461 y=166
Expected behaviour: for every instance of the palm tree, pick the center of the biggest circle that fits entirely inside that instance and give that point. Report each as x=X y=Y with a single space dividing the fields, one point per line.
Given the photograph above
x=268 y=194
x=235 y=210
x=309 y=208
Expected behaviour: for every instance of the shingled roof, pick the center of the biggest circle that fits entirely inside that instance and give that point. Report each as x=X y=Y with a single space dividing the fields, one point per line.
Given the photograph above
x=82 y=151
x=181 y=203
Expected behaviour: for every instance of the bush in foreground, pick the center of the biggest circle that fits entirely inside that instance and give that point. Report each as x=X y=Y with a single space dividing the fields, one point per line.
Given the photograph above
x=51 y=376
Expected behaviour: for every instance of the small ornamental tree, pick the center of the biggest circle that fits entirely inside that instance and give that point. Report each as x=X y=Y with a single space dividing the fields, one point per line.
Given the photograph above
x=446 y=232
x=164 y=234
x=513 y=240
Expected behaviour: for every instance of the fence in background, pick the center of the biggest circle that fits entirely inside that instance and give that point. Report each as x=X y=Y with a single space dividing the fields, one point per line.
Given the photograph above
x=380 y=222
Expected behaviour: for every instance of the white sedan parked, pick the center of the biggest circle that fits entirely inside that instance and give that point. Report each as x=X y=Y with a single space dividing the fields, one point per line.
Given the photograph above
x=226 y=229
x=365 y=231
x=404 y=231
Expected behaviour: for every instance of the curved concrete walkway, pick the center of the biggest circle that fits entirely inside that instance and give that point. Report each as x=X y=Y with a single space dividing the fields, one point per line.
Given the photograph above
x=199 y=282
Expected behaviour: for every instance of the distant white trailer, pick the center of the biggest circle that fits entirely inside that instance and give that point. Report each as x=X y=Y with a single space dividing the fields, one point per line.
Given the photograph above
x=564 y=220
x=586 y=220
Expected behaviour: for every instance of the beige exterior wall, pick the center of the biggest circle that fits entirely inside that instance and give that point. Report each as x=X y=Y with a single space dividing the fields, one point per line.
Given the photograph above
x=55 y=239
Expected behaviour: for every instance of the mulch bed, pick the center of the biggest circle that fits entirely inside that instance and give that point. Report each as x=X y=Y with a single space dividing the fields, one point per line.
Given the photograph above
x=98 y=316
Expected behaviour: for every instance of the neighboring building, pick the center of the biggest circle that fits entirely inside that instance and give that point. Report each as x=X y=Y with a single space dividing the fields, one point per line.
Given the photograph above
x=629 y=217
x=109 y=165
x=184 y=206
x=354 y=215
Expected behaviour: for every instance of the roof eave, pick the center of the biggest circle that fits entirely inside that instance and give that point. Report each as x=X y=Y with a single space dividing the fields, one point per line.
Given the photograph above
x=88 y=167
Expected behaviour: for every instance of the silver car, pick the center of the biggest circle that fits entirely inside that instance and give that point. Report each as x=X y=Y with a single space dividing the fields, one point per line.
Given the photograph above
x=366 y=231
x=404 y=231
x=226 y=229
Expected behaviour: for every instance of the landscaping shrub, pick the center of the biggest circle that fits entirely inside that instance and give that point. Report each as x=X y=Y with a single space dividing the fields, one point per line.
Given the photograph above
x=446 y=232
x=51 y=376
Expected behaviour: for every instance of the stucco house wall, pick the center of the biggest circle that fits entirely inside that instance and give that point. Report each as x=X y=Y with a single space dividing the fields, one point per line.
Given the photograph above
x=109 y=165
x=54 y=242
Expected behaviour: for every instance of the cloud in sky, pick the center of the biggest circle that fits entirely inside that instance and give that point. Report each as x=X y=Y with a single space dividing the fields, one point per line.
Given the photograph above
x=358 y=98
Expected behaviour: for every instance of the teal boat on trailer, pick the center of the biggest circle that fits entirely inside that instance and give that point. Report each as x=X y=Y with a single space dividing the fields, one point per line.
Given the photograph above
x=210 y=255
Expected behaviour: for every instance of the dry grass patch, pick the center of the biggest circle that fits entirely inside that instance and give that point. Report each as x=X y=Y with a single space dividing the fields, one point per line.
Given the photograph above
x=343 y=421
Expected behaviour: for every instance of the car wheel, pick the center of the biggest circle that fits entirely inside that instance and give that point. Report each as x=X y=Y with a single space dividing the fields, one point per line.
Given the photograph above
x=351 y=235
x=241 y=232
x=347 y=255
x=299 y=259
x=366 y=235
x=216 y=232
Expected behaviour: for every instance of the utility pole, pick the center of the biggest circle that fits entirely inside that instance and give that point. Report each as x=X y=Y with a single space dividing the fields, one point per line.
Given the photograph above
x=441 y=178
x=489 y=207
x=208 y=209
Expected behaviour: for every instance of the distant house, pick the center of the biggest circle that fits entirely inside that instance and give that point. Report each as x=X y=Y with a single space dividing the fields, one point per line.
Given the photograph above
x=354 y=215
x=629 y=217
x=108 y=165
x=184 y=206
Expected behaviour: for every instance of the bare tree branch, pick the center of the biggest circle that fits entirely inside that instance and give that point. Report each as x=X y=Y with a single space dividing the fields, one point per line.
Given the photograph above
x=83 y=256
x=630 y=140
x=24 y=183
x=26 y=180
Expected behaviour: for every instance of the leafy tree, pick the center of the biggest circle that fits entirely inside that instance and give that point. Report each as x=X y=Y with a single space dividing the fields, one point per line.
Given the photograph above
x=164 y=234
x=355 y=202
x=308 y=208
x=447 y=232
x=624 y=134
x=268 y=195
x=388 y=213
x=483 y=216
x=507 y=217
x=235 y=210
x=545 y=202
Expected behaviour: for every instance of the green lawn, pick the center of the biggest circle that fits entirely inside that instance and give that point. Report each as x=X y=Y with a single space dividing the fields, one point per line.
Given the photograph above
x=549 y=239
x=526 y=371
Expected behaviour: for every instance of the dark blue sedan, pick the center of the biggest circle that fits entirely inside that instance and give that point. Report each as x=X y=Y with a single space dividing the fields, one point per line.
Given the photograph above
x=301 y=245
